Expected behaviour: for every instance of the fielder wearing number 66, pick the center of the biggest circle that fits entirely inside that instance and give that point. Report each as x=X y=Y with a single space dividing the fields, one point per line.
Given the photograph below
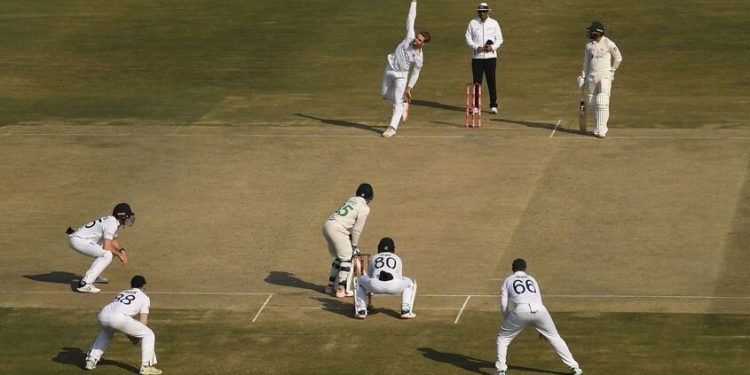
x=523 y=290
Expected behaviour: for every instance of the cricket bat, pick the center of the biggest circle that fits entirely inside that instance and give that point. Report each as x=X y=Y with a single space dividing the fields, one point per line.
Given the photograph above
x=582 y=112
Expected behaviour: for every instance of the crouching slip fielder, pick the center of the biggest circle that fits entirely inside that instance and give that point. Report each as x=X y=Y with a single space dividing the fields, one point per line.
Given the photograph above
x=597 y=74
x=385 y=277
x=407 y=54
x=523 y=290
x=118 y=316
x=341 y=231
x=98 y=240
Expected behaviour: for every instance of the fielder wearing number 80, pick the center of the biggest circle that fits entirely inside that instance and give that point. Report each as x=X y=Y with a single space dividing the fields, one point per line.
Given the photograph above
x=385 y=277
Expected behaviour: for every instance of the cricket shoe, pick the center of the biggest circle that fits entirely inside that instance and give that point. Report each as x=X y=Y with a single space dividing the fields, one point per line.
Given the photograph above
x=407 y=314
x=500 y=372
x=150 y=370
x=576 y=371
x=493 y=110
x=329 y=289
x=405 y=113
x=390 y=132
x=90 y=363
x=361 y=314
x=101 y=279
x=342 y=293
x=88 y=288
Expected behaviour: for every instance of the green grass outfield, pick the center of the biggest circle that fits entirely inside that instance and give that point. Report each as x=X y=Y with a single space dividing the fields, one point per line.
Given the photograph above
x=234 y=128
x=215 y=342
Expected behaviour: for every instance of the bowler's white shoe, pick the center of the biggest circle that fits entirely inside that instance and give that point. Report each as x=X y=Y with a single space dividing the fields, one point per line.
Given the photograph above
x=150 y=370
x=405 y=113
x=362 y=314
x=499 y=372
x=90 y=363
x=88 y=288
x=493 y=110
x=576 y=371
x=101 y=279
x=390 y=132
x=407 y=314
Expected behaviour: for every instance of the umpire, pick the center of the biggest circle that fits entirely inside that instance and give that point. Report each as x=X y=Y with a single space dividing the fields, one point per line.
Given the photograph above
x=484 y=37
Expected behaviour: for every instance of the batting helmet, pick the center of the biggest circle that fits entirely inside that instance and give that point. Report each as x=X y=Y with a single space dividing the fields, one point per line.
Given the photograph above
x=386 y=245
x=137 y=281
x=365 y=191
x=124 y=214
x=596 y=29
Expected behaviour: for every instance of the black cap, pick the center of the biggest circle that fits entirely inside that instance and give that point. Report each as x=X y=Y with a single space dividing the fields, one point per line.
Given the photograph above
x=386 y=245
x=597 y=26
x=365 y=191
x=137 y=281
x=122 y=210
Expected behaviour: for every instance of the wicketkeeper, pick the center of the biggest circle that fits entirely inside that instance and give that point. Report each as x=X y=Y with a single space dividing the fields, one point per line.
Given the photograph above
x=384 y=277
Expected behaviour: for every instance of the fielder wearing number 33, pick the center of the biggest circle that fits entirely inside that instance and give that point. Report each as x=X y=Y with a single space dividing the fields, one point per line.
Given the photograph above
x=523 y=290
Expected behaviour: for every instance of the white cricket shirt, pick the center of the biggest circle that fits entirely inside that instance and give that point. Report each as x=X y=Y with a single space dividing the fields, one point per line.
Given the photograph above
x=388 y=262
x=99 y=229
x=130 y=302
x=599 y=55
x=405 y=54
x=520 y=288
x=352 y=216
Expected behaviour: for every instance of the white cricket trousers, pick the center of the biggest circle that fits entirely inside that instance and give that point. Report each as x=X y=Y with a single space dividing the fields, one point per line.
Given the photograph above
x=340 y=247
x=392 y=90
x=111 y=323
x=598 y=89
x=542 y=321
x=404 y=286
x=89 y=248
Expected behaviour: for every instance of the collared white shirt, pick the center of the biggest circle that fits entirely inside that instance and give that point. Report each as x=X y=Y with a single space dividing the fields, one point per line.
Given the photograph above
x=478 y=33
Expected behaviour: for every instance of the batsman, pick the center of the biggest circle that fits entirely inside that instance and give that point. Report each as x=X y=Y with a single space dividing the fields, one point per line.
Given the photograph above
x=600 y=61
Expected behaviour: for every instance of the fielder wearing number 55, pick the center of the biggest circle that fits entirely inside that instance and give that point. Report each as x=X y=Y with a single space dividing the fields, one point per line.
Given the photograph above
x=98 y=239
x=341 y=231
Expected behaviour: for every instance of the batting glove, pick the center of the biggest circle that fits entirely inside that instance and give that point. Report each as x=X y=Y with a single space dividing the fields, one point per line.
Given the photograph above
x=355 y=249
x=581 y=81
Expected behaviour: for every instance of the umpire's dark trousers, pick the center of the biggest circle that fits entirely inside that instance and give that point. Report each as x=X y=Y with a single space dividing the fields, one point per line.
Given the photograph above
x=486 y=67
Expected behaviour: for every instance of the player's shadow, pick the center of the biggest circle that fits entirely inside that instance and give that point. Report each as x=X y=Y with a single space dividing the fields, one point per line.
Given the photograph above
x=284 y=278
x=426 y=103
x=539 y=125
x=474 y=364
x=467 y=363
x=56 y=277
x=346 y=124
x=77 y=357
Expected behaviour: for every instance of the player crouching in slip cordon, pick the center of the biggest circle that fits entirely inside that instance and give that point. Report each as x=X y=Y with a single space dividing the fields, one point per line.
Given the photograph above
x=384 y=276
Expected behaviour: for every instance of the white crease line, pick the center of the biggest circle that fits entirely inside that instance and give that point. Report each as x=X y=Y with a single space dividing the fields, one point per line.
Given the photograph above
x=462 y=309
x=555 y=129
x=262 y=307
x=594 y=296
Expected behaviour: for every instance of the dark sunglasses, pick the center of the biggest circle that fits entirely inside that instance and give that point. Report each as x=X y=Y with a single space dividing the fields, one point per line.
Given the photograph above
x=482 y=11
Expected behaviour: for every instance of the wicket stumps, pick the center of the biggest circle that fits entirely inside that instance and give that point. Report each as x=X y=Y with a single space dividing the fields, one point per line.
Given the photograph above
x=473 y=105
x=361 y=263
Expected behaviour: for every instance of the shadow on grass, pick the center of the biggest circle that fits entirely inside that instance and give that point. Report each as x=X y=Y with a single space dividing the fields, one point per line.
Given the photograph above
x=77 y=357
x=346 y=124
x=56 y=277
x=284 y=278
x=474 y=364
x=459 y=360
x=425 y=103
